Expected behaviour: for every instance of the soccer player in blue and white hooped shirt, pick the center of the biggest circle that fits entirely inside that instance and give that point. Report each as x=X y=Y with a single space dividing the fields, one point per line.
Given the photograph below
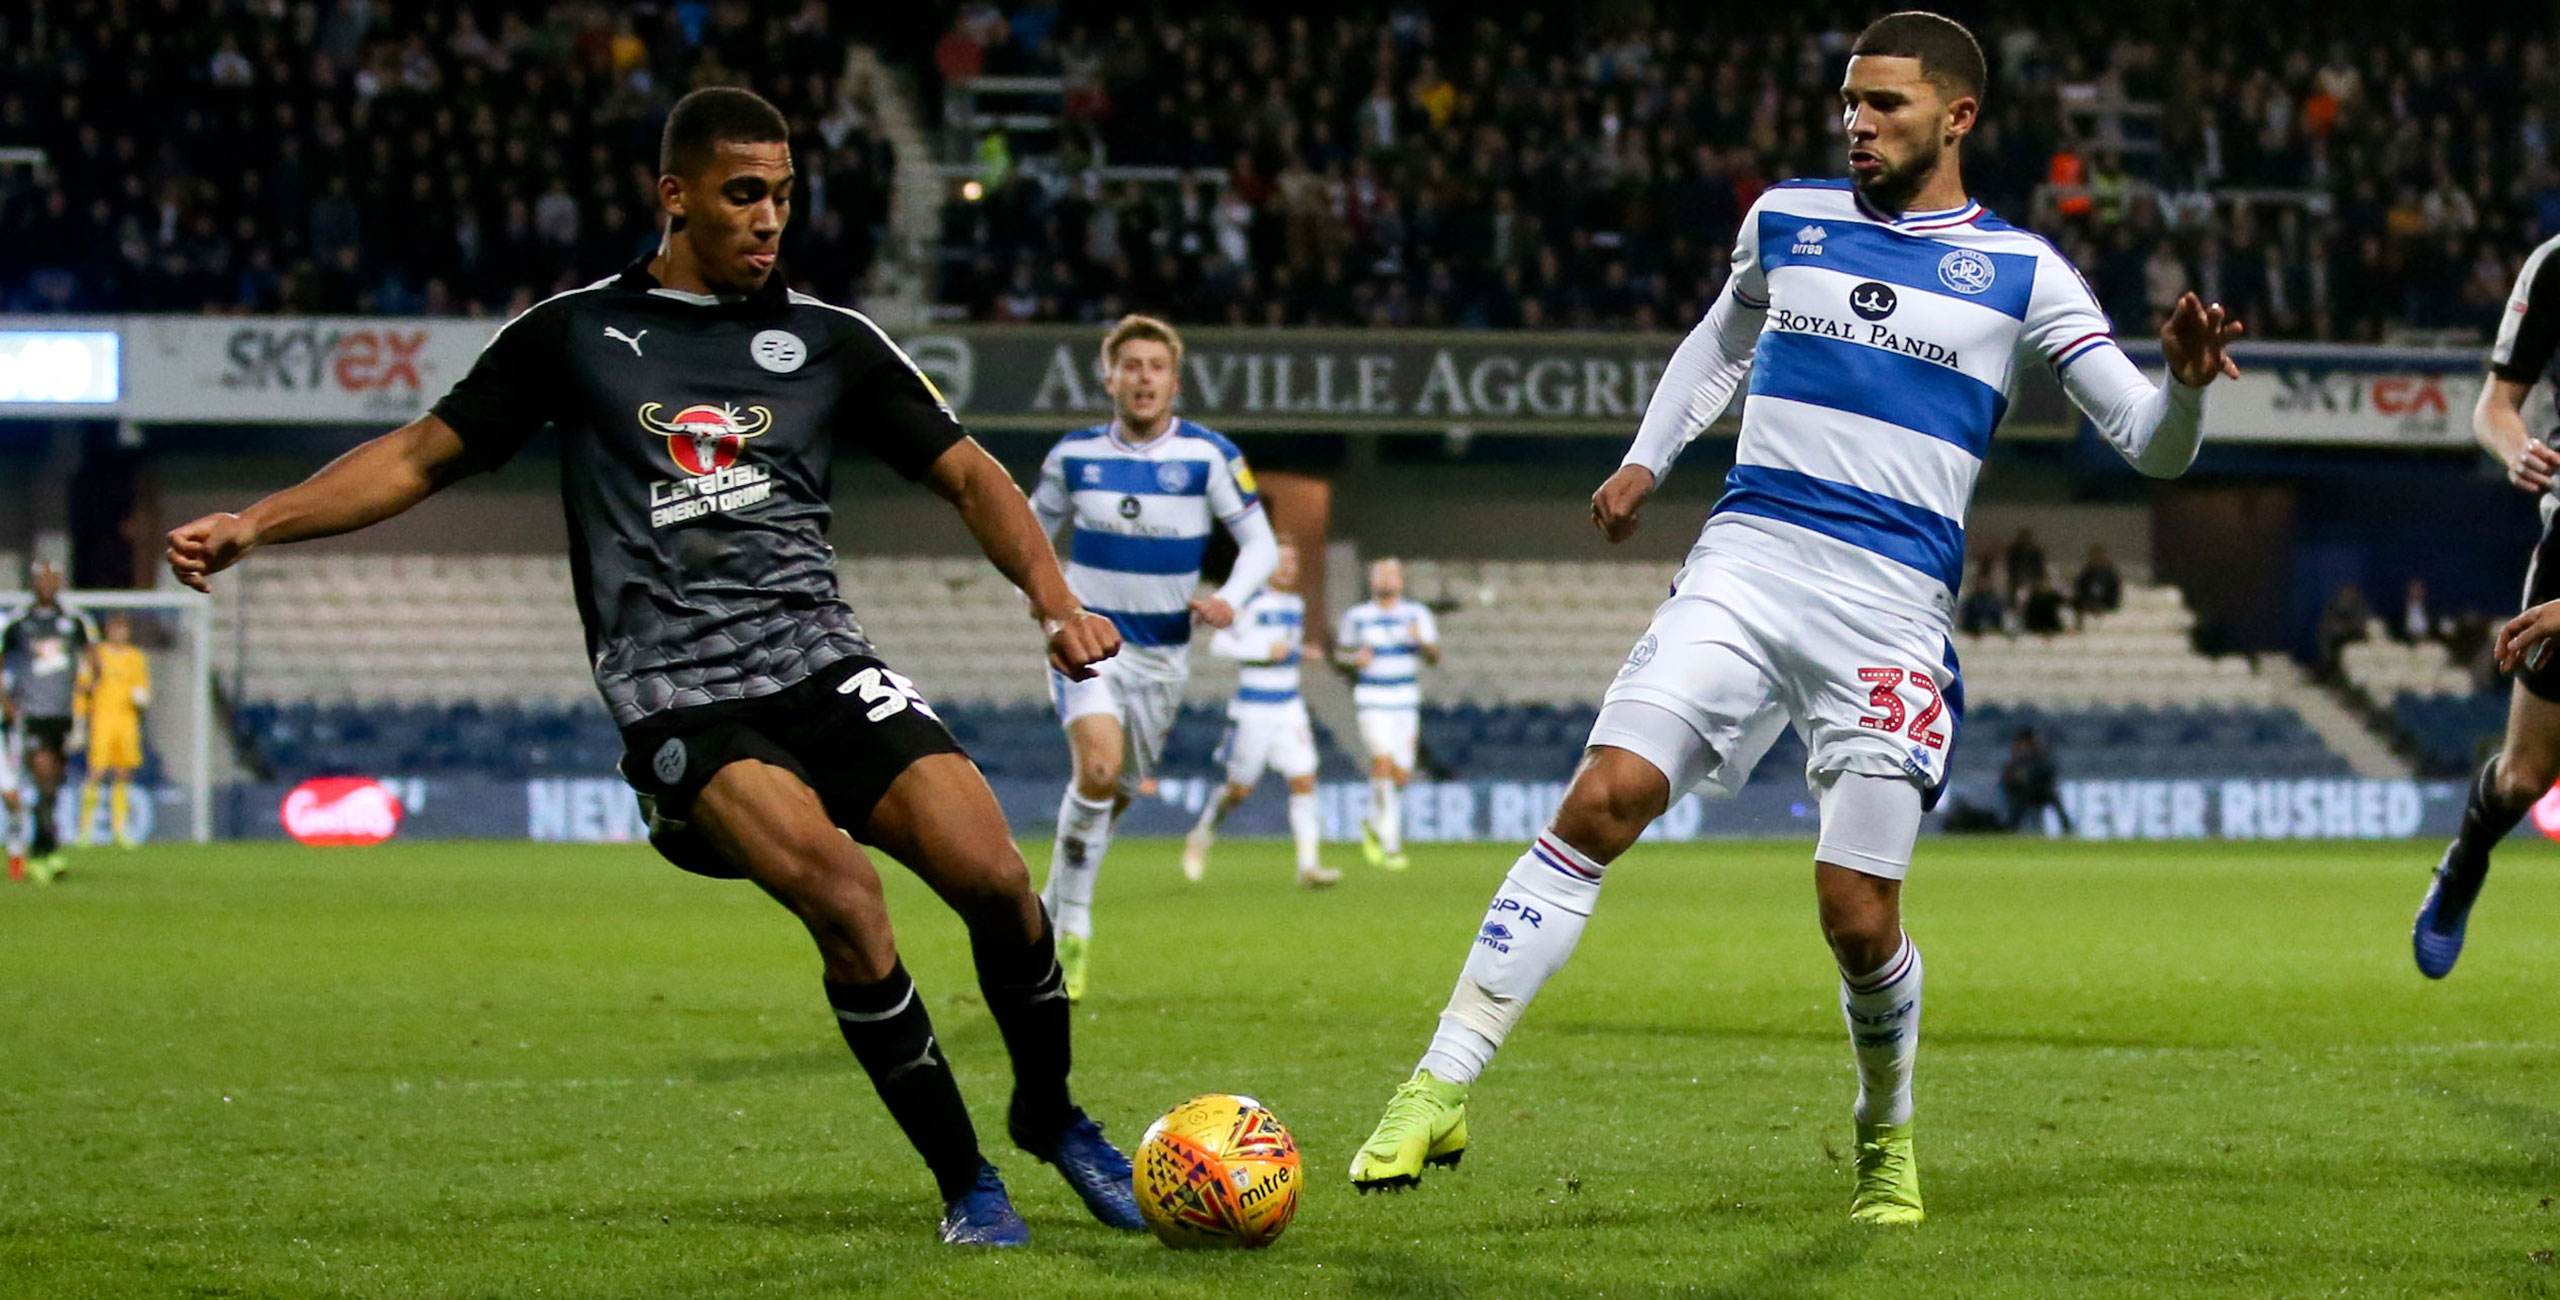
x=1387 y=640
x=1267 y=723
x=1141 y=491
x=1881 y=321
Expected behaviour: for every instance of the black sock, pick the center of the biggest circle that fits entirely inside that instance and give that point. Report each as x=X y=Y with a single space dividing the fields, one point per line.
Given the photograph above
x=1027 y=995
x=886 y=1026
x=42 y=841
x=2485 y=820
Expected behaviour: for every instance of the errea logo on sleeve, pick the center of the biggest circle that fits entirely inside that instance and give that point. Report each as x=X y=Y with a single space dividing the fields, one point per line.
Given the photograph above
x=1809 y=241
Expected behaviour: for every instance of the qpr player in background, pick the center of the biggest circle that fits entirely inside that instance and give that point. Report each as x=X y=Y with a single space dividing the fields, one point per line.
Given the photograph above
x=1881 y=321
x=698 y=403
x=1385 y=642
x=1267 y=723
x=1142 y=492
x=2527 y=763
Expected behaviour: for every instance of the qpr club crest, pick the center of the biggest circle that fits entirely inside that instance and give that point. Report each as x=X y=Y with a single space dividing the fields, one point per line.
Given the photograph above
x=1966 y=271
x=1641 y=655
x=1173 y=475
x=705 y=439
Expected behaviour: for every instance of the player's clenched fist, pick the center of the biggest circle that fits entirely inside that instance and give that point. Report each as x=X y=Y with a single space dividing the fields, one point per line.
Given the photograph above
x=2532 y=466
x=2525 y=641
x=1214 y=611
x=207 y=546
x=1615 y=505
x=1079 y=641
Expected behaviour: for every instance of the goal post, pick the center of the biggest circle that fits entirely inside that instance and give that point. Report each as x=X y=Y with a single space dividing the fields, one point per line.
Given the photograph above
x=175 y=631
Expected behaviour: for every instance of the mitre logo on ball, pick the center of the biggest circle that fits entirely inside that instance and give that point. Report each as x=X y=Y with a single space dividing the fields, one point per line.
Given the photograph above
x=705 y=439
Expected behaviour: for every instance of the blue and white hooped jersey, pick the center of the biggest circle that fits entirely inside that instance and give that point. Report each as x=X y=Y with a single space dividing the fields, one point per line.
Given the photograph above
x=1885 y=361
x=1270 y=618
x=1142 y=516
x=1395 y=635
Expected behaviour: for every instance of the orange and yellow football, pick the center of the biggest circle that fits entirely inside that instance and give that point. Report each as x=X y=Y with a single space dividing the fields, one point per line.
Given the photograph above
x=1218 y=1172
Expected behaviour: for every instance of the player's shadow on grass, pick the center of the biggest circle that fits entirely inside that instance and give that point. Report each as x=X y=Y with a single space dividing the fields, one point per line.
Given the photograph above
x=821 y=1059
x=1792 y=1272
x=1828 y=1030
x=2535 y=1129
x=1404 y=1275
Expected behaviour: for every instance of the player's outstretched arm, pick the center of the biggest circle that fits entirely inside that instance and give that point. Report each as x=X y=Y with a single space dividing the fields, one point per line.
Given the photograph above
x=364 y=487
x=1000 y=518
x=2157 y=428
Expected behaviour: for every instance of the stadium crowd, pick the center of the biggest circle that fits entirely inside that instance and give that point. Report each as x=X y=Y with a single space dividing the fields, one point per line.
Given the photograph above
x=292 y=155
x=2013 y=591
x=1432 y=168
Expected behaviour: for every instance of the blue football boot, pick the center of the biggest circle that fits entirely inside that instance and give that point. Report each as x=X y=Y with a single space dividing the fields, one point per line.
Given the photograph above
x=2437 y=937
x=1098 y=1172
x=983 y=1215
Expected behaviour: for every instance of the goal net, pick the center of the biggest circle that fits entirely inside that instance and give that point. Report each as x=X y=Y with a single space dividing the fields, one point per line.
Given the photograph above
x=172 y=788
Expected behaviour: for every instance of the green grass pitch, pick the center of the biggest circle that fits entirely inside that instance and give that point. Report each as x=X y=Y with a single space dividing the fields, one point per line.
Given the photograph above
x=510 y=1071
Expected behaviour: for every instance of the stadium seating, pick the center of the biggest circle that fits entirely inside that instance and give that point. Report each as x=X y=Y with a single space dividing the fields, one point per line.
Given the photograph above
x=2384 y=669
x=2452 y=733
x=476 y=667
x=2434 y=703
x=1575 y=620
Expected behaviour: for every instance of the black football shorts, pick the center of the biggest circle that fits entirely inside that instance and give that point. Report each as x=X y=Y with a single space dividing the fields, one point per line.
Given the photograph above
x=47 y=735
x=2542 y=585
x=848 y=730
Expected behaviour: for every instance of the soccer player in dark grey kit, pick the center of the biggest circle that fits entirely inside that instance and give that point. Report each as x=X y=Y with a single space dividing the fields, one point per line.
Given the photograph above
x=697 y=401
x=43 y=654
x=2528 y=757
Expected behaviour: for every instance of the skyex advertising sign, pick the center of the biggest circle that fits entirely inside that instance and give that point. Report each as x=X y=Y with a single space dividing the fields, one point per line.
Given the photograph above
x=369 y=371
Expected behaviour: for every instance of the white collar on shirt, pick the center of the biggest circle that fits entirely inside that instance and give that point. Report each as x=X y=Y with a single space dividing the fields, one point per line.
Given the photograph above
x=1148 y=448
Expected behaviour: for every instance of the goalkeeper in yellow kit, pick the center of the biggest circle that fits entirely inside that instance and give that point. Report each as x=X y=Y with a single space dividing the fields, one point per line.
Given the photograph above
x=119 y=690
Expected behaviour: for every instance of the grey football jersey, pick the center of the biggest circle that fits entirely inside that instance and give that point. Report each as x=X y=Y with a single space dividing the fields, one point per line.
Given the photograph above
x=695 y=440
x=40 y=653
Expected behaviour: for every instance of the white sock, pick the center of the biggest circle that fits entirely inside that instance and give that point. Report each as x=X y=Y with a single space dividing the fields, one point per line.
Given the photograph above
x=1536 y=918
x=1386 y=813
x=1305 y=820
x=1882 y=1009
x=1211 y=813
x=1084 y=835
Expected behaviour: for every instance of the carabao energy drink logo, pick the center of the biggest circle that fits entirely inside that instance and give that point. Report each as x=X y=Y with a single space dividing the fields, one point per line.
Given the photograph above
x=704 y=439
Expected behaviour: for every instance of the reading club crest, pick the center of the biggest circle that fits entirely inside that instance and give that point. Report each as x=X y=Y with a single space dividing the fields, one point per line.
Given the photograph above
x=705 y=439
x=779 y=351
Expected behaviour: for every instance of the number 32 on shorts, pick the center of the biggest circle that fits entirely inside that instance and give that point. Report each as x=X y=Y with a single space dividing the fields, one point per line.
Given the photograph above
x=1883 y=695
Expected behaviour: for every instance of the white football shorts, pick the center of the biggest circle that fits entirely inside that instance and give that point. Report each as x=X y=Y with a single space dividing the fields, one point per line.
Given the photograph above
x=1141 y=686
x=1274 y=736
x=1739 y=651
x=1391 y=734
